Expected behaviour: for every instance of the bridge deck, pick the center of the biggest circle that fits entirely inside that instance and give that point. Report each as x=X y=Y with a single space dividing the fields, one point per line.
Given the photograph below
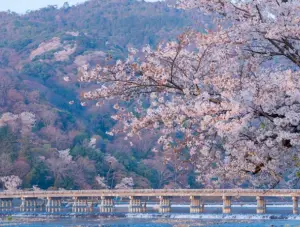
x=152 y=193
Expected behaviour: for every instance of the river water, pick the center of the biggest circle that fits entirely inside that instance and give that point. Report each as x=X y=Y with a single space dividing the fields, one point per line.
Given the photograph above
x=242 y=216
x=155 y=223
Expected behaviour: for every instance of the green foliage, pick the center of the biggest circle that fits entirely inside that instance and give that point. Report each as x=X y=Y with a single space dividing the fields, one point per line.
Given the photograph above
x=20 y=44
x=41 y=70
x=193 y=182
x=9 y=218
x=67 y=120
x=39 y=175
x=101 y=124
x=150 y=174
x=67 y=183
x=38 y=126
x=8 y=142
x=4 y=57
x=79 y=150
x=86 y=43
x=3 y=43
x=95 y=155
x=126 y=159
x=79 y=139
x=91 y=153
x=135 y=165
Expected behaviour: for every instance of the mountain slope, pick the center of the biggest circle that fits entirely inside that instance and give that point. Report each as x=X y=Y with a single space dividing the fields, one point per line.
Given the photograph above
x=42 y=119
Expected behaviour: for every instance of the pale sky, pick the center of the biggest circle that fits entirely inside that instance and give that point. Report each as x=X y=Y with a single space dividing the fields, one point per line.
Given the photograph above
x=21 y=6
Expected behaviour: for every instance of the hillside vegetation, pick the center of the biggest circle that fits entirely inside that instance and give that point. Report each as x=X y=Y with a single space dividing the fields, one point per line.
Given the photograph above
x=48 y=136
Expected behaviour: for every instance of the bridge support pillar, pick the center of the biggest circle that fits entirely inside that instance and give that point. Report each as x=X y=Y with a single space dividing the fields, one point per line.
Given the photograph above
x=28 y=204
x=6 y=204
x=295 y=205
x=226 y=204
x=197 y=205
x=135 y=205
x=261 y=205
x=107 y=204
x=53 y=205
x=164 y=204
x=80 y=205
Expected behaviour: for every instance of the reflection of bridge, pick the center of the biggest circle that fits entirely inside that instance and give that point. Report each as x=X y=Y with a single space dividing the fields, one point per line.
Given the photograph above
x=31 y=199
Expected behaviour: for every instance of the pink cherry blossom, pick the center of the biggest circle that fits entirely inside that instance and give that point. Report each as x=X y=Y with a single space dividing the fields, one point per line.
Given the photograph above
x=230 y=97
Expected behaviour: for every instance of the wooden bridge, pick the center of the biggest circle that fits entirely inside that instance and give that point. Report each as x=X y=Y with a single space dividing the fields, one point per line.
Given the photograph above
x=80 y=198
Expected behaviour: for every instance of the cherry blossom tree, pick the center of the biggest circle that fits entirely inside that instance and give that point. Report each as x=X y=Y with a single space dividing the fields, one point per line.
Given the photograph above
x=61 y=165
x=230 y=96
x=269 y=28
x=11 y=183
x=26 y=121
x=126 y=183
x=101 y=181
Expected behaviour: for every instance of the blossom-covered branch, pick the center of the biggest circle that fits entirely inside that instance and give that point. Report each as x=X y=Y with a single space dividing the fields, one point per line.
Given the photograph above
x=229 y=97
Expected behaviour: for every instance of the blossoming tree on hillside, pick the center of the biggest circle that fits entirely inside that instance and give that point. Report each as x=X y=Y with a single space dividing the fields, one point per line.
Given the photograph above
x=11 y=183
x=229 y=97
x=126 y=183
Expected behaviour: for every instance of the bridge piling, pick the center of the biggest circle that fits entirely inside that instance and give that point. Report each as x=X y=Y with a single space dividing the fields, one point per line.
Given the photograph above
x=135 y=205
x=28 y=204
x=80 y=205
x=226 y=204
x=295 y=205
x=164 y=204
x=6 y=204
x=53 y=205
x=107 y=204
x=261 y=205
x=197 y=205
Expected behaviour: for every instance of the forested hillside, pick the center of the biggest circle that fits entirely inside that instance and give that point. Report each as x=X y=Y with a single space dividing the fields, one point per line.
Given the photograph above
x=49 y=137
